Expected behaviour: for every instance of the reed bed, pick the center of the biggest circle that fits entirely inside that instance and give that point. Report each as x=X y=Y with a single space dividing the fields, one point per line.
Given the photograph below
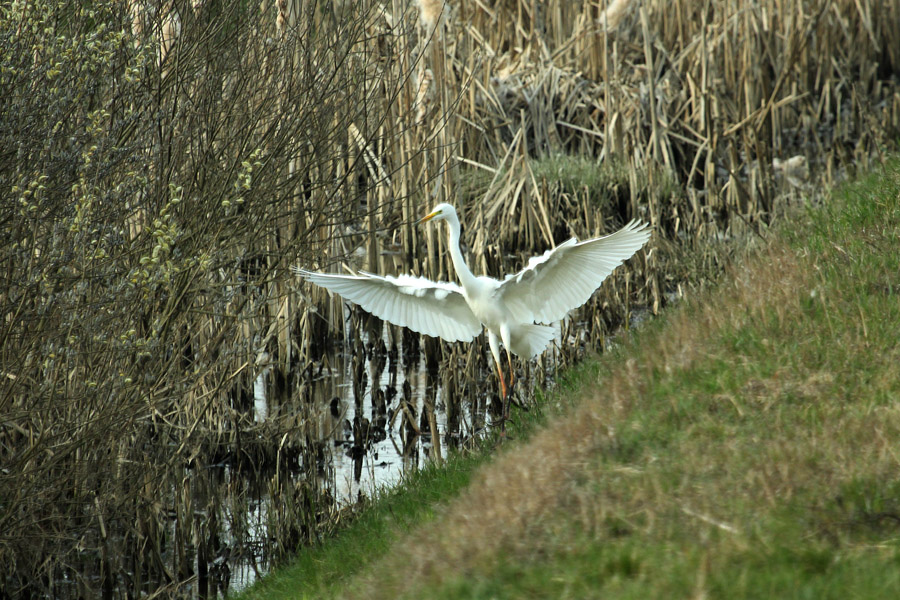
x=167 y=162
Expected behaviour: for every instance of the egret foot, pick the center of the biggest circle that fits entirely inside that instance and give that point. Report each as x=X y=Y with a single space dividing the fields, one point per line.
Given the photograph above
x=504 y=436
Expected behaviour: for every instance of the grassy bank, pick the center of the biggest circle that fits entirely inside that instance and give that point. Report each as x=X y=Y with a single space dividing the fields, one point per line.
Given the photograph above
x=745 y=445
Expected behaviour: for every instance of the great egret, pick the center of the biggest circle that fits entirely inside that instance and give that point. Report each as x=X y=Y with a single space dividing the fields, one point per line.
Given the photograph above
x=552 y=284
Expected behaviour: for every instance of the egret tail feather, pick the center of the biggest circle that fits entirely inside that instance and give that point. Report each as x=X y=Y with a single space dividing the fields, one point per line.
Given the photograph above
x=528 y=341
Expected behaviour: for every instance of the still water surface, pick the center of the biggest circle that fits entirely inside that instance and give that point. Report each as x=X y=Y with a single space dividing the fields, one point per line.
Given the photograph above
x=381 y=421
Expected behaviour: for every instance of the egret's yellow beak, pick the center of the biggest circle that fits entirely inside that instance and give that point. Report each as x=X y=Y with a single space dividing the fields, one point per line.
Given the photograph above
x=428 y=217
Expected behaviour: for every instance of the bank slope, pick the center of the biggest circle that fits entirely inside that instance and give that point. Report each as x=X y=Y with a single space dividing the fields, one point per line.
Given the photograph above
x=746 y=445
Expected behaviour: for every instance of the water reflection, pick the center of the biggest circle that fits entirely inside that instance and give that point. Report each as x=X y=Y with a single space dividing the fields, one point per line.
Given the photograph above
x=379 y=412
x=386 y=415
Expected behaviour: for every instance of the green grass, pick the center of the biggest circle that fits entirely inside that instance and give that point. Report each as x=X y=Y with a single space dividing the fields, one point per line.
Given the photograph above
x=575 y=173
x=369 y=533
x=634 y=570
x=745 y=445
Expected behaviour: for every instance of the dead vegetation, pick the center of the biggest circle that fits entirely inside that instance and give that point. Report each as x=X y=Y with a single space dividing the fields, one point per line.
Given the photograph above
x=156 y=186
x=165 y=162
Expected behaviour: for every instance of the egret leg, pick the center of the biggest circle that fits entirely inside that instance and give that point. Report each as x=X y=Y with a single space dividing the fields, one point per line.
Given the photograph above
x=504 y=391
x=512 y=371
x=494 y=341
x=507 y=338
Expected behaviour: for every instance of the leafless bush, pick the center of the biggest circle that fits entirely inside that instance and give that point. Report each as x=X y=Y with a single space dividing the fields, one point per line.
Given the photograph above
x=161 y=163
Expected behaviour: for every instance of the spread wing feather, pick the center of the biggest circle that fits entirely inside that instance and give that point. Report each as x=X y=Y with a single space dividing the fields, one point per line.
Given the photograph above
x=434 y=308
x=564 y=278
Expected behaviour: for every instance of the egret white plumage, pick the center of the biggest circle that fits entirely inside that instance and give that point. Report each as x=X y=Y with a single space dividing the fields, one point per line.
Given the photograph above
x=515 y=311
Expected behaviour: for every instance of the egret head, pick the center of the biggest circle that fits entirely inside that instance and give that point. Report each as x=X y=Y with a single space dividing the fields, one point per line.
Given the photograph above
x=439 y=213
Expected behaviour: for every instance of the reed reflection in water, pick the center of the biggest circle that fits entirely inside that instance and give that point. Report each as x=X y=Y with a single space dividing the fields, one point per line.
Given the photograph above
x=387 y=412
x=383 y=413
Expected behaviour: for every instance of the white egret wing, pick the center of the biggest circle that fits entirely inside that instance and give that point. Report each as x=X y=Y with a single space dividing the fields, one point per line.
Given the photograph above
x=435 y=308
x=564 y=278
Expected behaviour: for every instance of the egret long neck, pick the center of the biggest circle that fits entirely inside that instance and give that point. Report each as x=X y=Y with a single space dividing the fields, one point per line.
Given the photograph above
x=466 y=278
